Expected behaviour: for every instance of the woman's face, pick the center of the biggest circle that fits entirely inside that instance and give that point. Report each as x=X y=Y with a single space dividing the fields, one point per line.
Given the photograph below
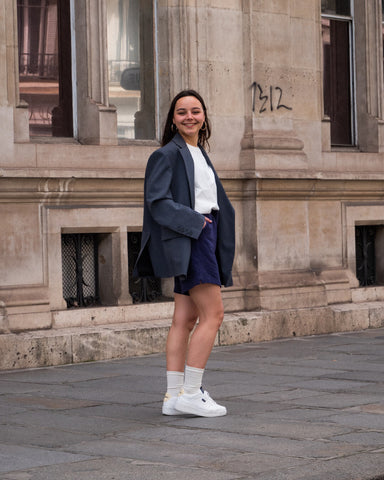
x=189 y=118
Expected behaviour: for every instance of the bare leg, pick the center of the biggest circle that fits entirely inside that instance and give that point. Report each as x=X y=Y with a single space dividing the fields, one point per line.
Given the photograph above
x=208 y=302
x=194 y=399
x=184 y=319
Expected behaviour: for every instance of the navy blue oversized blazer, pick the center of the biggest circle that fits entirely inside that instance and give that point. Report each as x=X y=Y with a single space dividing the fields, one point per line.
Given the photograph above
x=170 y=222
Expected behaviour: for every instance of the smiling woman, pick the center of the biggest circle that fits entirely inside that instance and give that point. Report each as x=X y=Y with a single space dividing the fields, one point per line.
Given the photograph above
x=188 y=234
x=189 y=118
x=171 y=128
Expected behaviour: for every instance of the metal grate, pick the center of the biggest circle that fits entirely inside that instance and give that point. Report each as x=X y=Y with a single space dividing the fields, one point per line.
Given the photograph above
x=142 y=289
x=365 y=254
x=80 y=269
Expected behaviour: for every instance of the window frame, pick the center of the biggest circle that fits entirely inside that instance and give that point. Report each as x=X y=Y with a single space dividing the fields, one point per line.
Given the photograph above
x=352 y=74
x=142 y=117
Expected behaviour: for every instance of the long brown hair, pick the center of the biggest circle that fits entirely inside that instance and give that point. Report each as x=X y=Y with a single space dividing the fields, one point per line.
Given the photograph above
x=170 y=130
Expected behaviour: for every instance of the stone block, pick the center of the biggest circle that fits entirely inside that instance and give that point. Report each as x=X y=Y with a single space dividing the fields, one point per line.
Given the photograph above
x=21 y=245
x=105 y=344
x=289 y=249
x=367 y=294
x=227 y=4
x=300 y=297
x=4 y=324
x=376 y=314
x=350 y=317
x=324 y=234
x=302 y=53
x=265 y=326
x=225 y=42
x=30 y=319
x=270 y=34
x=27 y=350
x=303 y=9
x=299 y=322
x=241 y=328
x=337 y=294
x=103 y=316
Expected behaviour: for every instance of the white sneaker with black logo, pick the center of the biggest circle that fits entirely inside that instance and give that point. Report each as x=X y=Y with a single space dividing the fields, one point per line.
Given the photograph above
x=200 y=404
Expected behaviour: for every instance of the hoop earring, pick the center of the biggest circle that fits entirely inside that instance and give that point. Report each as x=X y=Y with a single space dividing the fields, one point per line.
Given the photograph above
x=173 y=128
x=204 y=127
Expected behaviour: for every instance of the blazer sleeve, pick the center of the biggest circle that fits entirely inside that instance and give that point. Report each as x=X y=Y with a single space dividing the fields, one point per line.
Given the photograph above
x=167 y=212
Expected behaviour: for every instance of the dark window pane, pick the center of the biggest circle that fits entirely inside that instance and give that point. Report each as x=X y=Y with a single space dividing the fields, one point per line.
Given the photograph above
x=336 y=7
x=365 y=254
x=337 y=85
x=45 y=65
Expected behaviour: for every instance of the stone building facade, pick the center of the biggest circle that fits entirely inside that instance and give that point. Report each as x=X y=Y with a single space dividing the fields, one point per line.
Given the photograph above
x=294 y=90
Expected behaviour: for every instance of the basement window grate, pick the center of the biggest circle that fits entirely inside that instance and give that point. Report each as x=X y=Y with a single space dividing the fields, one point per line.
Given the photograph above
x=369 y=244
x=80 y=269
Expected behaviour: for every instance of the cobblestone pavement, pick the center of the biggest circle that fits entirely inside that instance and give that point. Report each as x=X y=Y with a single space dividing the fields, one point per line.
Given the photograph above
x=305 y=408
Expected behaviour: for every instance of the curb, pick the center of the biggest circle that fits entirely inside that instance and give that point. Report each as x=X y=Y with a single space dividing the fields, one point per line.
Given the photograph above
x=106 y=342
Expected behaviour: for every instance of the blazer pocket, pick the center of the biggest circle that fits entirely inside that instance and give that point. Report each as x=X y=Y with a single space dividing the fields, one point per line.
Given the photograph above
x=168 y=234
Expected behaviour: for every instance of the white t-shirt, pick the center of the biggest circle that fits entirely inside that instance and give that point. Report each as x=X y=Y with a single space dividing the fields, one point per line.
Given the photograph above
x=205 y=184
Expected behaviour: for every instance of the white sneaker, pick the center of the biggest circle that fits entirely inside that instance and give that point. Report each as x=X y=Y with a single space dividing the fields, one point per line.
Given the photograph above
x=200 y=404
x=169 y=405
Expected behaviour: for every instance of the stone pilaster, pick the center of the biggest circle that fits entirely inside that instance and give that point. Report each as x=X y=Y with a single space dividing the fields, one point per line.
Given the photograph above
x=97 y=120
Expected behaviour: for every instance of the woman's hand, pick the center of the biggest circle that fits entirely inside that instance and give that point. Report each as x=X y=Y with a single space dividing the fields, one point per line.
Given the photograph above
x=207 y=220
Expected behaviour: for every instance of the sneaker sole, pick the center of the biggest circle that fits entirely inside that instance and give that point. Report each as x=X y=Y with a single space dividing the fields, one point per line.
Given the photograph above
x=169 y=409
x=200 y=413
x=171 y=412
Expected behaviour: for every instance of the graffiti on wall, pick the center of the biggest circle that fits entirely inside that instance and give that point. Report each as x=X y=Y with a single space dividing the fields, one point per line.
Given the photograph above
x=270 y=99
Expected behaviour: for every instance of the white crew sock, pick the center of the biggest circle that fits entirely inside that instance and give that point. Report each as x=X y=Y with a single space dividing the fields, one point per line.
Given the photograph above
x=193 y=379
x=175 y=382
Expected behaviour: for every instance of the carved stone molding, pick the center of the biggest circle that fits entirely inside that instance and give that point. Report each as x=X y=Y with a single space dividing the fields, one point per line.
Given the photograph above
x=272 y=149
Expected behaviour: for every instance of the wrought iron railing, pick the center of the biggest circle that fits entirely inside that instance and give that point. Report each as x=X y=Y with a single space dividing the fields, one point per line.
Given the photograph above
x=39 y=65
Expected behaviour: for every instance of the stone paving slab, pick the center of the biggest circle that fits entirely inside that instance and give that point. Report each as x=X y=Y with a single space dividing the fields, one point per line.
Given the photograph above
x=14 y=457
x=299 y=409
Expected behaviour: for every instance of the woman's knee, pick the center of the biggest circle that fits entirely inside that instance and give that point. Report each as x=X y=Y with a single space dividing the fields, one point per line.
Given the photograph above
x=219 y=316
x=184 y=320
x=185 y=314
x=213 y=317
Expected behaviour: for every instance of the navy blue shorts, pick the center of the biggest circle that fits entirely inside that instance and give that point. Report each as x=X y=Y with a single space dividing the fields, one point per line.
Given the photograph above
x=203 y=266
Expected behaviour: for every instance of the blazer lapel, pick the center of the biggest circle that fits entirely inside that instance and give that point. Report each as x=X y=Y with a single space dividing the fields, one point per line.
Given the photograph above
x=189 y=166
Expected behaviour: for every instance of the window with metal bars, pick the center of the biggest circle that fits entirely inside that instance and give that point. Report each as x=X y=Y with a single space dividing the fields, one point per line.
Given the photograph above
x=87 y=271
x=80 y=269
x=369 y=243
